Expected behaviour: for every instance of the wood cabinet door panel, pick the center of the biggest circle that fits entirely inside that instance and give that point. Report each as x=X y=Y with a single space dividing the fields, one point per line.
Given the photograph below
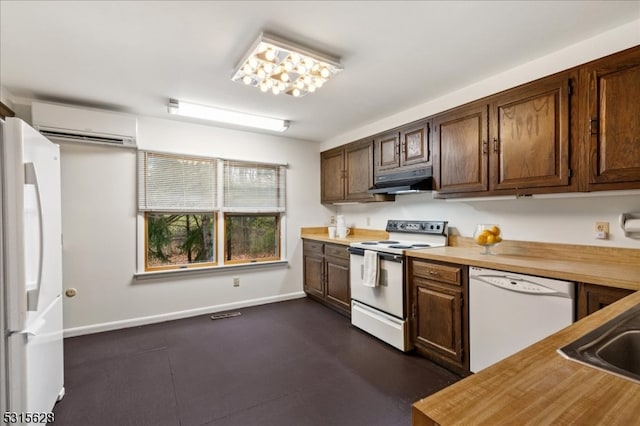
x=415 y=146
x=438 y=325
x=387 y=149
x=313 y=275
x=614 y=127
x=530 y=137
x=359 y=165
x=592 y=298
x=332 y=174
x=338 y=291
x=461 y=140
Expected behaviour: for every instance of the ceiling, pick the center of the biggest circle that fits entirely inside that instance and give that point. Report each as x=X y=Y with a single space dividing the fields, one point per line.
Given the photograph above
x=132 y=56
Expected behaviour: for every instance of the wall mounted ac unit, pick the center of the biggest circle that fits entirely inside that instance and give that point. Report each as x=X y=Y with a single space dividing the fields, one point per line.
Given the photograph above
x=73 y=124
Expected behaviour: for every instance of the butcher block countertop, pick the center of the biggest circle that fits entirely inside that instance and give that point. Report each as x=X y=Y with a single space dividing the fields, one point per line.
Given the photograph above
x=356 y=235
x=608 y=266
x=537 y=386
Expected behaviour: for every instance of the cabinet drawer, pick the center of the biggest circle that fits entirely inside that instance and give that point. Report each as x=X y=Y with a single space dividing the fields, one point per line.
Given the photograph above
x=313 y=247
x=336 y=251
x=436 y=272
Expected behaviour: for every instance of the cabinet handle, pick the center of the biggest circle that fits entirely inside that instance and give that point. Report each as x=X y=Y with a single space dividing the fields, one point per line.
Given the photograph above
x=435 y=273
x=485 y=145
x=495 y=144
x=413 y=310
x=593 y=126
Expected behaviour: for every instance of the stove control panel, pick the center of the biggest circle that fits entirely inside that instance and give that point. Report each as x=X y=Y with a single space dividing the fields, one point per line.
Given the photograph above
x=436 y=227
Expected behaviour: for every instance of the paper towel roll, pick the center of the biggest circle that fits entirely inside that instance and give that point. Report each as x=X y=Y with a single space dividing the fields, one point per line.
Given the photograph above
x=632 y=225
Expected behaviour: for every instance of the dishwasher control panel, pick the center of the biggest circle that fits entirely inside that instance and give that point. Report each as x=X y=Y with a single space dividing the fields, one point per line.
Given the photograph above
x=523 y=283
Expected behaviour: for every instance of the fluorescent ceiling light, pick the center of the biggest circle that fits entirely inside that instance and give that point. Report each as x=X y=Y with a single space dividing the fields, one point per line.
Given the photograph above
x=275 y=65
x=203 y=112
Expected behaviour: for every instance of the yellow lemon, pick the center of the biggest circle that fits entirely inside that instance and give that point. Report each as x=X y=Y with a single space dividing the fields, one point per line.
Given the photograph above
x=491 y=239
x=495 y=230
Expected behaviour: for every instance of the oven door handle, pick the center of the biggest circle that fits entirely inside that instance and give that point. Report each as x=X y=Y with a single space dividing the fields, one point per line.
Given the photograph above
x=382 y=256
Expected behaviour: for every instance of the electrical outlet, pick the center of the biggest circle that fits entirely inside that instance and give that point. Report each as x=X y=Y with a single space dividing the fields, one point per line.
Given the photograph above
x=332 y=220
x=236 y=282
x=602 y=227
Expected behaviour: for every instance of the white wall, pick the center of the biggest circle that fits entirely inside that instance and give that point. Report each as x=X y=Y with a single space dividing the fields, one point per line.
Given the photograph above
x=562 y=220
x=99 y=226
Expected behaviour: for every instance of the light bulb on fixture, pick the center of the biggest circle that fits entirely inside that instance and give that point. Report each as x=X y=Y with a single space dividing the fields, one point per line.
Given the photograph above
x=289 y=65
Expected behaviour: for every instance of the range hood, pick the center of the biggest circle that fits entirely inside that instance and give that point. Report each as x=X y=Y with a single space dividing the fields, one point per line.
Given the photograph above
x=410 y=181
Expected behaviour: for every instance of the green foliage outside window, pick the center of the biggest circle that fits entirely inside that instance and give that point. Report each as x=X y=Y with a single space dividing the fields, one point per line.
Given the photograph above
x=251 y=237
x=180 y=239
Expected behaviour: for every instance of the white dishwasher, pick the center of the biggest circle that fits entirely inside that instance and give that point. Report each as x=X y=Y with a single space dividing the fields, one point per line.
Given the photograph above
x=508 y=312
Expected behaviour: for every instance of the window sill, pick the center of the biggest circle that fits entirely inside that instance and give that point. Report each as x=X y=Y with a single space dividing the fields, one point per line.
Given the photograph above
x=141 y=276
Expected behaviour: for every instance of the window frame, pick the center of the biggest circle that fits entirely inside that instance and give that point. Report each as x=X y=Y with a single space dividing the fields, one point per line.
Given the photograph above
x=220 y=214
x=193 y=265
x=278 y=241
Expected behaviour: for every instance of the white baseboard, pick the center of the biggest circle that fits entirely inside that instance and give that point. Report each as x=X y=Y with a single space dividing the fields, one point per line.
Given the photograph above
x=134 y=322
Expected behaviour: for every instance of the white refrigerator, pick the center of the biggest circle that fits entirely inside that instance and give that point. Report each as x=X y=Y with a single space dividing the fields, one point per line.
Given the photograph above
x=31 y=272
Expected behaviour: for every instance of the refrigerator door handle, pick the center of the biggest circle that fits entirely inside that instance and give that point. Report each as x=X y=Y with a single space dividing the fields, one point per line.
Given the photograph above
x=31 y=178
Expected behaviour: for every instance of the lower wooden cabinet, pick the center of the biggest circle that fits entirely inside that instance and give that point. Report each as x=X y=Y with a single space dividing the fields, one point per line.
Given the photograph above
x=439 y=313
x=592 y=297
x=326 y=275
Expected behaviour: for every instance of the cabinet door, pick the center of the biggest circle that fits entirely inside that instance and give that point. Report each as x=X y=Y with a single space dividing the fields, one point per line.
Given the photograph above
x=414 y=144
x=592 y=298
x=313 y=275
x=437 y=324
x=461 y=149
x=387 y=151
x=529 y=144
x=359 y=170
x=332 y=176
x=337 y=282
x=613 y=127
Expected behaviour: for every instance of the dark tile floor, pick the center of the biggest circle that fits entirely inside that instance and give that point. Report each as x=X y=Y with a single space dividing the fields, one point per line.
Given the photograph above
x=289 y=363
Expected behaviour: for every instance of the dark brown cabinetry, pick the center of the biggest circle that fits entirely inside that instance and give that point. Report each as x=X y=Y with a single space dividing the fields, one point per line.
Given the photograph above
x=592 y=297
x=347 y=172
x=460 y=149
x=402 y=148
x=509 y=143
x=438 y=312
x=313 y=266
x=326 y=274
x=611 y=125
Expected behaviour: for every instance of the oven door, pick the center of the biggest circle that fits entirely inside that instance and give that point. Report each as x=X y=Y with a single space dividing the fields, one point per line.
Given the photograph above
x=388 y=295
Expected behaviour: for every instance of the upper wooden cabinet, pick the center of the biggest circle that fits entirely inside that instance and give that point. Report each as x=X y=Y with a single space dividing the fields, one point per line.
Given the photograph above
x=509 y=143
x=402 y=148
x=347 y=172
x=611 y=125
x=460 y=149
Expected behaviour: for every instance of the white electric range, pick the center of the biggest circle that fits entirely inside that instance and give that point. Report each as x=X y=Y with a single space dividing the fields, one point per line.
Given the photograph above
x=379 y=307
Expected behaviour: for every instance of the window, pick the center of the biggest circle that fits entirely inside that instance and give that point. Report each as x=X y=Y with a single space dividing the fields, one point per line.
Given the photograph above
x=179 y=239
x=185 y=206
x=253 y=196
x=251 y=237
x=177 y=195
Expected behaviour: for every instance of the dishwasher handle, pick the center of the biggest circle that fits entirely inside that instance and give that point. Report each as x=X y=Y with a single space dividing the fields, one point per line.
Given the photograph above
x=519 y=285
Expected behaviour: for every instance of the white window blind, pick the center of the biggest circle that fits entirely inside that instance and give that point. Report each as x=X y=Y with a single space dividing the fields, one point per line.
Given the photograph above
x=253 y=187
x=176 y=183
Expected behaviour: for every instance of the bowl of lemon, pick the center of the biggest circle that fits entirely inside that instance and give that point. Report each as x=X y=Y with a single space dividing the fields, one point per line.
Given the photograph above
x=487 y=235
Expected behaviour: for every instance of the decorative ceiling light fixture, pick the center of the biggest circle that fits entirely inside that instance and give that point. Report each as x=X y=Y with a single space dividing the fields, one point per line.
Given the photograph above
x=203 y=112
x=279 y=66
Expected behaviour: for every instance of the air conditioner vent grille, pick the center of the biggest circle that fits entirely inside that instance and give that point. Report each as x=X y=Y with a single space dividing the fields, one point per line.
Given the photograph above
x=87 y=138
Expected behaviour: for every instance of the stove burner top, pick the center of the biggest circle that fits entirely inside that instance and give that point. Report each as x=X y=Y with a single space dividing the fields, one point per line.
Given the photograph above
x=388 y=242
x=400 y=246
x=369 y=243
x=421 y=245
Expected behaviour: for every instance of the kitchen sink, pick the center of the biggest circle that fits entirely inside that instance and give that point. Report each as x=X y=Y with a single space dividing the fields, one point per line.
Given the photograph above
x=614 y=347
